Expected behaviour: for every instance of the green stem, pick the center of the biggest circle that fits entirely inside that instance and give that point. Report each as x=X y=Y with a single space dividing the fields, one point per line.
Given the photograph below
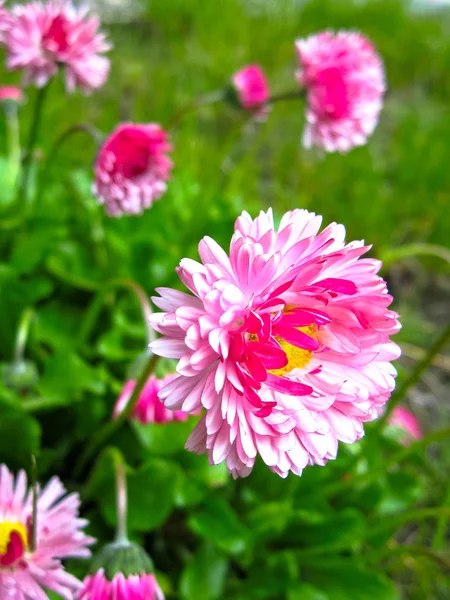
x=394 y=254
x=90 y=130
x=121 y=492
x=32 y=139
x=96 y=306
x=415 y=375
x=105 y=433
x=196 y=104
x=414 y=551
x=34 y=484
x=395 y=521
x=13 y=135
x=396 y=459
x=291 y=95
x=22 y=334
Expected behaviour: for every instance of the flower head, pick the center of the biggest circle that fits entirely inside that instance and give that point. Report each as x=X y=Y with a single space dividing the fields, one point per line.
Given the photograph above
x=25 y=571
x=121 y=571
x=134 y=587
x=284 y=342
x=10 y=93
x=344 y=79
x=132 y=168
x=149 y=408
x=404 y=419
x=252 y=89
x=43 y=37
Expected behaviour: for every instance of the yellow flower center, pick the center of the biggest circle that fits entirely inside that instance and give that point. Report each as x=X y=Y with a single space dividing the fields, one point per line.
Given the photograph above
x=6 y=529
x=298 y=358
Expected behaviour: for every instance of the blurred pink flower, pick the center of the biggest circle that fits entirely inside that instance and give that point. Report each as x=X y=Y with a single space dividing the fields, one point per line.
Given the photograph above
x=5 y=20
x=285 y=343
x=149 y=408
x=405 y=420
x=134 y=587
x=253 y=89
x=132 y=168
x=344 y=78
x=43 y=37
x=9 y=92
x=24 y=572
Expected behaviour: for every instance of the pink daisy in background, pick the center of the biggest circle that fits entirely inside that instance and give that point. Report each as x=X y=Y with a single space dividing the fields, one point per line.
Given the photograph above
x=252 y=88
x=403 y=419
x=284 y=341
x=149 y=408
x=5 y=20
x=134 y=587
x=43 y=37
x=132 y=168
x=344 y=78
x=24 y=571
x=11 y=93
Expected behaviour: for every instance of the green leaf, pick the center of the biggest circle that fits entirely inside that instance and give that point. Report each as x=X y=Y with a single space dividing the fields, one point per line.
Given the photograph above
x=66 y=375
x=305 y=591
x=342 y=579
x=151 y=495
x=164 y=439
x=217 y=522
x=204 y=576
x=20 y=436
x=316 y=529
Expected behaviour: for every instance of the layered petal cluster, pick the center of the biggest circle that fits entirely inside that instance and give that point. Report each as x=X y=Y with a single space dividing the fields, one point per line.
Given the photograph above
x=45 y=36
x=404 y=420
x=252 y=89
x=132 y=168
x=344 y=78
x=149 y=408
x=284 y=342
x=25 y=571
x=134 y=587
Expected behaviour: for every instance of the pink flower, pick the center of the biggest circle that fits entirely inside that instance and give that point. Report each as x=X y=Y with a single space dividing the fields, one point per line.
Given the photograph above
x=405 y=420
x=24 y=572
x=344 y=78
x=253 y=89
x=149 y=408
x=134 y=587
x=284 y=342
x=9 y=92
x=5 y=20
x=43 y=37
x=132 y=168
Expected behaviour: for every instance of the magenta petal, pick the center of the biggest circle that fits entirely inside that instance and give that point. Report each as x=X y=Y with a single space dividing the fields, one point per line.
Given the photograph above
x=253 y=397
x=256 y=368
x=342 y=286
x=287 y=386
x=266 y=410
x=253 y=323
x=273 y=357
x=296 y=337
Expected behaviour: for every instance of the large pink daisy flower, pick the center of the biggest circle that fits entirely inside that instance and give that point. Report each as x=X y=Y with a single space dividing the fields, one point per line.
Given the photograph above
x=24 y=571
x=132 y=168
x=284 y=342
x=344 y=78
x=42 y=37
x=134 y=587
x=149 y=408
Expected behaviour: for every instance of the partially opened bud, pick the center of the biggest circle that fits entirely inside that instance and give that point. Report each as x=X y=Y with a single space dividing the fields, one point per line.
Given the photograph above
x=250 y=91
x=11 y=94
x=121 y=571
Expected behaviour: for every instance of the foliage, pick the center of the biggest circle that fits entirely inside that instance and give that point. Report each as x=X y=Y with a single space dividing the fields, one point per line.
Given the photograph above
x=358 y=529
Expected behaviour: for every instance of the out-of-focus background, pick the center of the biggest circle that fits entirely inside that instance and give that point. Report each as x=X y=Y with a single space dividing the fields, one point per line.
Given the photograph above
x=263 y=537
